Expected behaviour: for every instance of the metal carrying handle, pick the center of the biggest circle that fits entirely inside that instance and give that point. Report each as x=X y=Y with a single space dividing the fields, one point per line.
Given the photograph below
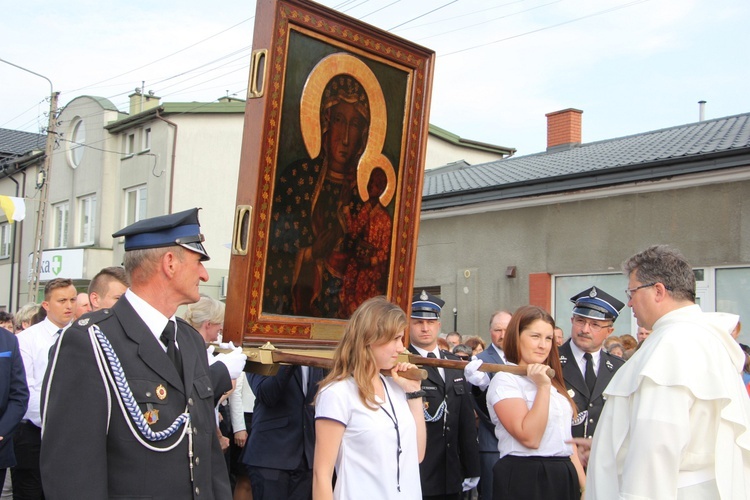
x=257 y=85
x=241 y=232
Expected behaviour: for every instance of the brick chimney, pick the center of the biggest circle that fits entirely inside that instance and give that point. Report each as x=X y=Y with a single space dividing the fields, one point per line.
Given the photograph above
x=563 y=128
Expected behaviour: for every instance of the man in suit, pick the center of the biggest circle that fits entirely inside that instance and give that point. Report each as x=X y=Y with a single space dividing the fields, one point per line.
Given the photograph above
x=128 y=399
x=587 y=368
x=488 y=453
x=451 y=463
x=279 y=451
x=14 y=397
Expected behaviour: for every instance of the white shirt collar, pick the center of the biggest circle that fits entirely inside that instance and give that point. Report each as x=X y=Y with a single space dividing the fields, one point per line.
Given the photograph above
x=499 y=351
x=155 y=321
x=578 y=355
x=424 y=353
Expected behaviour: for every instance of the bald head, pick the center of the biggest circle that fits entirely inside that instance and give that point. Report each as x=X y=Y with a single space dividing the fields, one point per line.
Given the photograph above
x=498 y=324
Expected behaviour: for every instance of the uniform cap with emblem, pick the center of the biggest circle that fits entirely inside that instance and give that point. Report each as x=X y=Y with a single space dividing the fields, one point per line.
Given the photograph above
x=181 y=228
x=426 y=306
x=595 y=303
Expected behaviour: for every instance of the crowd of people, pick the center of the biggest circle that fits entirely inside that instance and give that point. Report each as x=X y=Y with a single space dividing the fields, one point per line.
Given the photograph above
x=108 y=394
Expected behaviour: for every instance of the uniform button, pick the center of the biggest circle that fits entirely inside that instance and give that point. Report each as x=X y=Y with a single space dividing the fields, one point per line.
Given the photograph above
x=591 y=420
x=195 y=430
x=591 y=405
x=448 y=445
x=448 y=429
x=148 y=394
x=197 y=491
x=190 y=401
x=197 y=461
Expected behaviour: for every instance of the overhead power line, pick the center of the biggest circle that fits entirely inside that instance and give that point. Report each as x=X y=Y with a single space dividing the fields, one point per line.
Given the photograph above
x=606 y=11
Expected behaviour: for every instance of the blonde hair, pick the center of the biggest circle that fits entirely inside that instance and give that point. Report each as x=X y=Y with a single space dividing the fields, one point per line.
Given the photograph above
x=375 y=322
x=206 y=309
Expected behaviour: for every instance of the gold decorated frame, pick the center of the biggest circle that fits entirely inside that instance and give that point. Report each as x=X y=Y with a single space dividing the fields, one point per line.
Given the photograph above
x=291 y=37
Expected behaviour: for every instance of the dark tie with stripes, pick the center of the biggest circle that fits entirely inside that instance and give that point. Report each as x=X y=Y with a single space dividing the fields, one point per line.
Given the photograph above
x=590 y=376
x=168 y=339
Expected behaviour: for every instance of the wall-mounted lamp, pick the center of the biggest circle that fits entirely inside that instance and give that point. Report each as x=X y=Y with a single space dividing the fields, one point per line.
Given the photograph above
x=510 y=272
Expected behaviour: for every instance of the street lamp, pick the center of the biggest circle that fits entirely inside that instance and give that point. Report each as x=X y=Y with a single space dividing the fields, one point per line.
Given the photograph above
x=51 y=125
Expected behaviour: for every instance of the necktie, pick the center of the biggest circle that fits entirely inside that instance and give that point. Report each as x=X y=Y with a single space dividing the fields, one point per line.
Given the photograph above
x=168 y=339
x=441 y=371
x=57 y=334
x=590 y=376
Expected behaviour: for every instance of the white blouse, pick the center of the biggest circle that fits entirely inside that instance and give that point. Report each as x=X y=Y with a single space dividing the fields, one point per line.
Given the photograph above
x=508 y=386
x=367 y=465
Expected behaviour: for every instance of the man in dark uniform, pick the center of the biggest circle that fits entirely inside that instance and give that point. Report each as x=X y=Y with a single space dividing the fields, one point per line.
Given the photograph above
x=128 y=400
x=587 y=368
x=451 y=462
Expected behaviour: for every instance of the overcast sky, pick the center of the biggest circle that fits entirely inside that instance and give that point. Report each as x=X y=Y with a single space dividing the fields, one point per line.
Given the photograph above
x=630 y=65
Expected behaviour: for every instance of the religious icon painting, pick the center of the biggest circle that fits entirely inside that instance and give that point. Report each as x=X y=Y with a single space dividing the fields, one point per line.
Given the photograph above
x=330 y=176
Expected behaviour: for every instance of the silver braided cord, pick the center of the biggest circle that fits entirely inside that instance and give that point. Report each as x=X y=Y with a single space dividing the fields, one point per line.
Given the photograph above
x=438 y=414
x=127 y=402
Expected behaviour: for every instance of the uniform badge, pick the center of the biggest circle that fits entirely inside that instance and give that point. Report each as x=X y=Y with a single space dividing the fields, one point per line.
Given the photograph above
x=423 y=295
x=151 y=416
x=426 y=405
x=161 y=392
x=83 y=322
x=571 y=393
x=592 y=294
x=609 y=365
x=563 y=360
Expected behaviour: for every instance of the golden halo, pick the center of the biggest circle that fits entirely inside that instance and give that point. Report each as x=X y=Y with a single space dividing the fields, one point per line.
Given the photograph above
x=312 y=93
x=363 y=177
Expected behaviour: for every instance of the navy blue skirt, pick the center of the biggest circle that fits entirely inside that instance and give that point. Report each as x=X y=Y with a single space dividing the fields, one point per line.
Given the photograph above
x=535 y=478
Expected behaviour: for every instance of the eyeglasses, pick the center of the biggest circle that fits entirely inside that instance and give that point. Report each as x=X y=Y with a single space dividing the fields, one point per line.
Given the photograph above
x=630 y=291
x=464 y=357
x=594 y=327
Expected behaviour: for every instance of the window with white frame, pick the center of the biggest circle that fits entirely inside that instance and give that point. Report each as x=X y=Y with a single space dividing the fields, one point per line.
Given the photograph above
x=86 y=219
x=129 y=144
x=4 y=240
x=76 y=147
x=135 y=204
x=60 y=228
x=146 y=139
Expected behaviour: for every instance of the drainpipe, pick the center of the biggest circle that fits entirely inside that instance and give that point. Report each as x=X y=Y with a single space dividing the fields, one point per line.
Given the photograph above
x=174 y=153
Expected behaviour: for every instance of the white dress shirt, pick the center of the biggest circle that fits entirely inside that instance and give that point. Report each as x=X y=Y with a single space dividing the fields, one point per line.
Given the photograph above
x=578 y=355
x=34 y=344
x=155 y=321
x=436 y=352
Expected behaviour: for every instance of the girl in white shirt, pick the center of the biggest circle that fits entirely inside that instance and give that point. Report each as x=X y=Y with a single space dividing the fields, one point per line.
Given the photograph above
x=370 y=428
x=532 y=416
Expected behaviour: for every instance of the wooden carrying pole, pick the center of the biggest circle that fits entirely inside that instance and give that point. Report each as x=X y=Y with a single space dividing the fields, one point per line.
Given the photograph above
x=265 y=360
x=484 y=367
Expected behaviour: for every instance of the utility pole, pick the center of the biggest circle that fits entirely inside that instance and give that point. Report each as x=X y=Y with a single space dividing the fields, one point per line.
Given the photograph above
x=44 y=176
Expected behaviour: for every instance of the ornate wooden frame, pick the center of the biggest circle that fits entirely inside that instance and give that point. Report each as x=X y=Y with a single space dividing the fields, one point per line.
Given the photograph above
x=291 y=38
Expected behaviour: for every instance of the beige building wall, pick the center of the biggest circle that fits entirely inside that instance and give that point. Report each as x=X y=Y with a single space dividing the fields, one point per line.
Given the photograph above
x=467 y=254
x=441 y=152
